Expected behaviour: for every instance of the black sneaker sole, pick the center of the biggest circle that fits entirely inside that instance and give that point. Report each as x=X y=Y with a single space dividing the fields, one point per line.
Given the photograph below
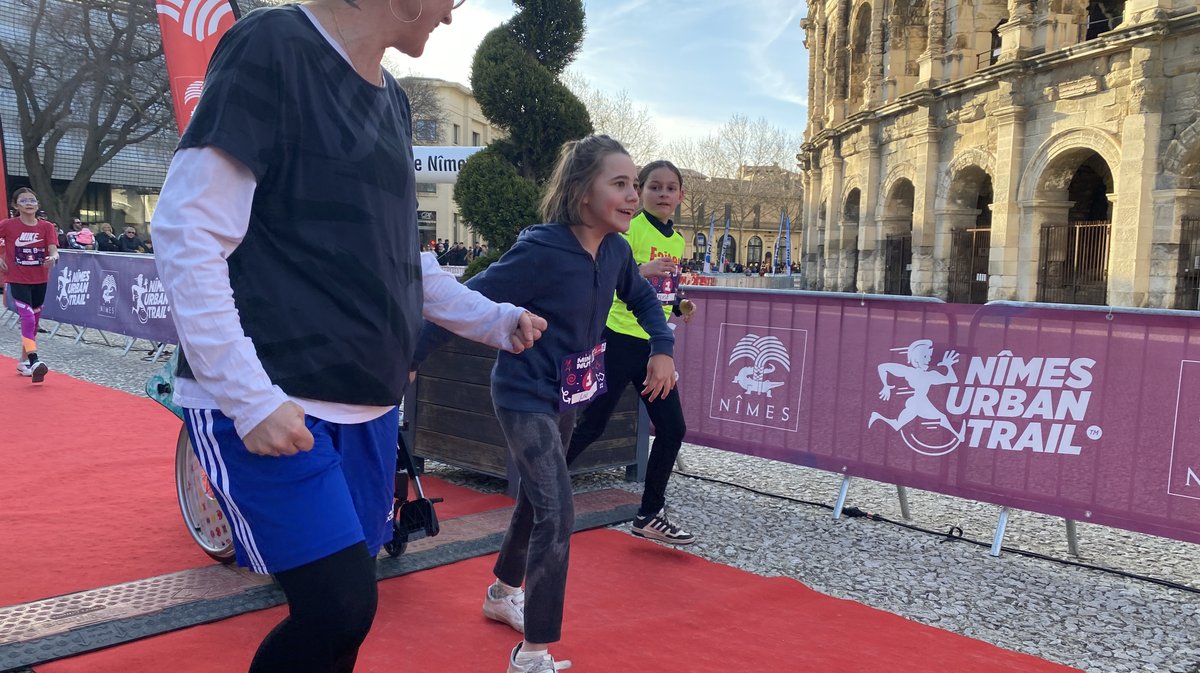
x=39 y=372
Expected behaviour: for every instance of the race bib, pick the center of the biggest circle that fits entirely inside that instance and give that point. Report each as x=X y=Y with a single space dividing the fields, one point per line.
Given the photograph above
x=666 y=287
x=582 y=377
x=29 y=256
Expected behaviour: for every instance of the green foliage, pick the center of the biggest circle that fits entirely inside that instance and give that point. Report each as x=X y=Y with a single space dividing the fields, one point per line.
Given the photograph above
x=515 y=78
x=479 y=264
x=494 y=199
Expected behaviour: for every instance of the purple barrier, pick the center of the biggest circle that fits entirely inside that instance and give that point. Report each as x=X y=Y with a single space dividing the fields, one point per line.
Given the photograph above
x=1072 y=412
x=113 y=292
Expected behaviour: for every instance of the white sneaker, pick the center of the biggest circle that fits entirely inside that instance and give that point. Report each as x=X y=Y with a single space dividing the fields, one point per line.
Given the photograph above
x=506 y=608
x=542 y=664
x=23 y=369
x=38 y=371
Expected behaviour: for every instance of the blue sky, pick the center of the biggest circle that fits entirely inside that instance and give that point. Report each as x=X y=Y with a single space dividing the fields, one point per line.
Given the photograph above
x=691 y=64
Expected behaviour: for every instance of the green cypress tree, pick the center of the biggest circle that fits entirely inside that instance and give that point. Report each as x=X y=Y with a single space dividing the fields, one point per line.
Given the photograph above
x=515 y=78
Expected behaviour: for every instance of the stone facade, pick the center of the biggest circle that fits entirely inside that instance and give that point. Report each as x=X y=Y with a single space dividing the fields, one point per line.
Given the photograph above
x=1026 y=150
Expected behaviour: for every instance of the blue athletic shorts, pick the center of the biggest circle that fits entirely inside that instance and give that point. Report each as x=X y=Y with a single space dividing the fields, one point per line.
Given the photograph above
x=288 y=511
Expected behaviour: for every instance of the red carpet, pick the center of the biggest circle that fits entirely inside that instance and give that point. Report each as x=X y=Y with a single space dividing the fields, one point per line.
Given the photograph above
x=88 y=496
x=687 y=616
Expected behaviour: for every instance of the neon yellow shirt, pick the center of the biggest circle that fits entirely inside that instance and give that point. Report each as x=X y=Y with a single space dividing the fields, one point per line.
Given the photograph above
x=648 y=243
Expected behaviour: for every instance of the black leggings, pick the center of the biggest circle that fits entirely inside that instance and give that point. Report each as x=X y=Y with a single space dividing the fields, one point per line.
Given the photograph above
x=33 y=294
x=332 y=603
x=625 y=361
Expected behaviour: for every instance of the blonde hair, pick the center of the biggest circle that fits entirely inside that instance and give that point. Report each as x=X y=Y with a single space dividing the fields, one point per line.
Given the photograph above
x=579 y=161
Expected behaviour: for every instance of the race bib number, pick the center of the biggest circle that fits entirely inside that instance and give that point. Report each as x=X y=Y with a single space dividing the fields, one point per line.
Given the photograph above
x=666 y=287
x=582 y=377
x=29 y=256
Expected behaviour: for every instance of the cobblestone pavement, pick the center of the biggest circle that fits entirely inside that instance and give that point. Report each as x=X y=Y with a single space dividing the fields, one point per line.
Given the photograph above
x=1097 y=621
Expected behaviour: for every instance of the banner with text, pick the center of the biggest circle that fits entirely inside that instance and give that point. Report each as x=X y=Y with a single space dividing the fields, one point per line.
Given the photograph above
x=1070 y=412
x=440 y=164
x=112 y=292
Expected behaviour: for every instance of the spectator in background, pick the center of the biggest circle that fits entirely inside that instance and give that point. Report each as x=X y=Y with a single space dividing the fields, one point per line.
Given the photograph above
x=80 y=237
x=130 y=242
x=106 y=240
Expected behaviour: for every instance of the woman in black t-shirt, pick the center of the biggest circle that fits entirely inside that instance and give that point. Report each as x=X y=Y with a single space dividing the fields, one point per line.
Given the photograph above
x=288 y=246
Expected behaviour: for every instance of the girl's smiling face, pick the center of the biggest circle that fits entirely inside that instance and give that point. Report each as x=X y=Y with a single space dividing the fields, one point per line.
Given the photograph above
x=612 y=199
x=662 y=193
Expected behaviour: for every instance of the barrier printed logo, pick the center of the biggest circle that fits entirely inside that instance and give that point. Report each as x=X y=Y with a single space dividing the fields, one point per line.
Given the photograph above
x=149 y=299
x=1184 y=477
x=1003 y=402
x=108 y=295
x=759 y=376
x=73 y=287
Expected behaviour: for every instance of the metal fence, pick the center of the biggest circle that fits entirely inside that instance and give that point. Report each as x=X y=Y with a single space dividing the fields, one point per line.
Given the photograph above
x=1074 y=263
x=897 y=270
x=969 y=250
x=1187 y=288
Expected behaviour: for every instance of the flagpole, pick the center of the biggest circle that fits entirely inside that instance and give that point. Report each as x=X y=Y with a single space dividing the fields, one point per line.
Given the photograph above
x=778 y=240
x=724 y=245
x=788 y=249
x=712 y=223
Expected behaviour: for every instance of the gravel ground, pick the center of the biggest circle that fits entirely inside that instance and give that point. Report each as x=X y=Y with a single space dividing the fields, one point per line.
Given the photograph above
x=1094 y=620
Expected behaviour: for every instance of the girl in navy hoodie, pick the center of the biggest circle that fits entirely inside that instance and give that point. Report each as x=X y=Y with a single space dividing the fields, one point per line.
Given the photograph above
x=567 y=272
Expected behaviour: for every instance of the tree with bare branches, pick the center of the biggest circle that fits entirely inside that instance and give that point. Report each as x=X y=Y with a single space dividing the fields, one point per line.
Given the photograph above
x=617 y=116
x=90 y=74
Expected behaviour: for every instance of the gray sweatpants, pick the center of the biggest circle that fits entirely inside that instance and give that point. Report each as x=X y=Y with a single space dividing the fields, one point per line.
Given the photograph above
x=536 y=547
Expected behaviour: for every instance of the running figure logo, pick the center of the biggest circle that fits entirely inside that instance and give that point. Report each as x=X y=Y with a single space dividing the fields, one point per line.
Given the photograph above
x=140 y=287
x=64 y=279
x=920 y=378
x=762 y=351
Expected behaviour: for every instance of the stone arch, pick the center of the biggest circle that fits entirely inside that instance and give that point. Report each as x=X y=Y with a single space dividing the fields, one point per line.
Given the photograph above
x=1181 y=161
x=901 y=171
x=974 y=156
x=859 y=43
x=1053 y=165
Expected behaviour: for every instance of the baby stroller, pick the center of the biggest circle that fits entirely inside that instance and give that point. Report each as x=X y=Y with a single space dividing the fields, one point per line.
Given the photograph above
x=207 y=524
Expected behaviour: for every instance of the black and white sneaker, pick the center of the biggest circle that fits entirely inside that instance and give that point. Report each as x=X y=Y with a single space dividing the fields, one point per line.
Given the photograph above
x=38 y=371
x=659 y=527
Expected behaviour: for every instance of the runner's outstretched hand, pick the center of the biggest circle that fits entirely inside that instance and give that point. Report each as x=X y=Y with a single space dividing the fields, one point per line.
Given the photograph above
x=529 y=329
x=283 y=433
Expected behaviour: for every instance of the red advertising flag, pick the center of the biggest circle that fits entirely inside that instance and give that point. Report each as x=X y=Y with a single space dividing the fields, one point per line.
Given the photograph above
x=190 y=32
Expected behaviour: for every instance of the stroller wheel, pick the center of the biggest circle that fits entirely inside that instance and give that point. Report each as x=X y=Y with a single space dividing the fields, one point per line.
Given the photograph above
x=395 y=547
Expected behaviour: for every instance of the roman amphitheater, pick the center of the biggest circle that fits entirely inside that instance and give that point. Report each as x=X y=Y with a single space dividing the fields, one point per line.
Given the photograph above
x=1027 y=150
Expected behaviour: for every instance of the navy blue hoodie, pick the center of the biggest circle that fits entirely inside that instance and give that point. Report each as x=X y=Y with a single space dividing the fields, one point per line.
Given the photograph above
x=548 y=272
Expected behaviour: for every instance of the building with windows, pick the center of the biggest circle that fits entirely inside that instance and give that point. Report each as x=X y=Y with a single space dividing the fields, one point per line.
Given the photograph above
x=1035 y=150
x=460 y=123
x=752 y=201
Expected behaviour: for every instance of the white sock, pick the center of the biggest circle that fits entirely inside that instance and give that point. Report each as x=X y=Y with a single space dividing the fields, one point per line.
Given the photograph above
x=528 y=656
x=501 y=589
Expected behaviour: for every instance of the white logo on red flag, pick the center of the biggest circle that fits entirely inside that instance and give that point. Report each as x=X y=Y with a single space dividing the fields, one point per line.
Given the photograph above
x=197 y=18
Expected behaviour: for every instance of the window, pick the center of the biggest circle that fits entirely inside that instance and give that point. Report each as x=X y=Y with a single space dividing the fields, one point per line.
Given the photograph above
x=425 y=131
x=457 y=134
x=474 y=139
x=754 y=250
x=426 y=188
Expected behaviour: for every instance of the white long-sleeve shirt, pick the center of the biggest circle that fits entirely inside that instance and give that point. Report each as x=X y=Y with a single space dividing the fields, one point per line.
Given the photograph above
x=203 y=214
